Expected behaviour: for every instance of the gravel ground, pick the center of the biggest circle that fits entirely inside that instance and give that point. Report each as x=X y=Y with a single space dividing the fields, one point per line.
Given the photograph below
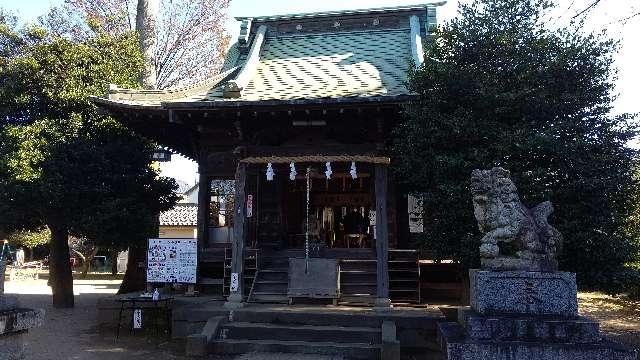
x=71 y=333
x=619 y=317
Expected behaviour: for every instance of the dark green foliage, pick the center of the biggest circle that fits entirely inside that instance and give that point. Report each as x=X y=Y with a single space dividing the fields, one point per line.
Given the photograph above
x=499 y=89
x=64 y=165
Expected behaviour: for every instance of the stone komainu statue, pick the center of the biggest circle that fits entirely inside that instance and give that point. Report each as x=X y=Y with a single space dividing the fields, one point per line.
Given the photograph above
x=515 y=237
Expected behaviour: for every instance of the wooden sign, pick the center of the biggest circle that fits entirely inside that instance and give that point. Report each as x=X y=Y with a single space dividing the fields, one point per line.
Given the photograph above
x=249 y=205
x=172 y=260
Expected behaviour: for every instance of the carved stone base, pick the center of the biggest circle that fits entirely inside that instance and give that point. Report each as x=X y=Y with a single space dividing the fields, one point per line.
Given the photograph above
x=456 y=346
x=523 y=292
x=523 y=315
x=548 y=329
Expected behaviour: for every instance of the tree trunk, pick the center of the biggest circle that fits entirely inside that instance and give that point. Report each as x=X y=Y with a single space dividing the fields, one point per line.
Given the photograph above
x=114 y=262
x=30 y=254
x=146 y=27
x=135 y=278
x=86 y=264
x=60 y=277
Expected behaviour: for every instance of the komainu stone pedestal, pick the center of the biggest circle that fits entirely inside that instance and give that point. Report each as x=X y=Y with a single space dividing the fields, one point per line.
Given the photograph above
x=525 y=315
x=523 y=292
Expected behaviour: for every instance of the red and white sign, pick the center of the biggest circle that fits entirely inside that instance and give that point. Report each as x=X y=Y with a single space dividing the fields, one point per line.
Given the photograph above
x=249 y=206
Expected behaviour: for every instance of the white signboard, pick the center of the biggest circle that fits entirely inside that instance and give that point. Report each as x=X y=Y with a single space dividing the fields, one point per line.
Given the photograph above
x=234 y=282
x=172 y=260
x=137 y=319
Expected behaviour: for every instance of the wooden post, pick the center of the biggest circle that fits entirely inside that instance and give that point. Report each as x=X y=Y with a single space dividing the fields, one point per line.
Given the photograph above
x=239 y=220
x=382 y=238
x=203 y=212
x=203 y=205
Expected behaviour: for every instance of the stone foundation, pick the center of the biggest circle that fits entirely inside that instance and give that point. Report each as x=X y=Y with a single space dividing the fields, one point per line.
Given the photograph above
x=523 y=292
x=522 y=315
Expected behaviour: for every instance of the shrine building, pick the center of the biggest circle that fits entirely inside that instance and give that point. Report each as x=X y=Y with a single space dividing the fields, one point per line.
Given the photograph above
x=292 y=144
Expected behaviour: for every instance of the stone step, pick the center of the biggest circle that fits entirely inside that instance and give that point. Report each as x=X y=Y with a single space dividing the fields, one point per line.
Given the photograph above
x=265 y=275
x=269 y=297
x=530 y=328
x=347 y=350
x=272 y=287
x=313 y=333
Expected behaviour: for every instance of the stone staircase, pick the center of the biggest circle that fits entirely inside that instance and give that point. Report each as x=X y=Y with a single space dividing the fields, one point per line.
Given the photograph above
x=360 y=335
x=358 y=281
x=271 y=281
x=302 y=333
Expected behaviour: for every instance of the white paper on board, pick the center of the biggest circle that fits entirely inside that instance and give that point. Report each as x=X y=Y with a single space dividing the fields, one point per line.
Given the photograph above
x=137 y=319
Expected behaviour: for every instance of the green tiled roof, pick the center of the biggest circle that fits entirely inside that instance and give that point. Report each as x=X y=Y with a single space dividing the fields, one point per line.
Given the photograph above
x=330 y=65
x=361 y=60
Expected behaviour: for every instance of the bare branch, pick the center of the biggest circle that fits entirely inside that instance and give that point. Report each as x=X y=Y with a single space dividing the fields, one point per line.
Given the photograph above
x=587 y=9
x=191 y=39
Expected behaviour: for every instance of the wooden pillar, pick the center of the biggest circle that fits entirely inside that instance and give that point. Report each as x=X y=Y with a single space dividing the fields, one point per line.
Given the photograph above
x=239 y=232
x=382 y=238
x=203 y=205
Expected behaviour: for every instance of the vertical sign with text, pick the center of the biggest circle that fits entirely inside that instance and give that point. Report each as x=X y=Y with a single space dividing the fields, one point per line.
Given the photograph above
x=249 y=206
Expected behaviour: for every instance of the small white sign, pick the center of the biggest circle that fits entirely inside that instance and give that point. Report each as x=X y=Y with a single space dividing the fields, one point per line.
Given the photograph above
x=249 y=206
x=137 y=319
x=234 y=282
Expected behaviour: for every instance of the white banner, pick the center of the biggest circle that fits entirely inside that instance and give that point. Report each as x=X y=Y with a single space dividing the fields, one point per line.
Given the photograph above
x=172 y=260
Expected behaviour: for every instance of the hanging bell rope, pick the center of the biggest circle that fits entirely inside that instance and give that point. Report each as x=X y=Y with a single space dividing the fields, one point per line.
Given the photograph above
x=306 y=233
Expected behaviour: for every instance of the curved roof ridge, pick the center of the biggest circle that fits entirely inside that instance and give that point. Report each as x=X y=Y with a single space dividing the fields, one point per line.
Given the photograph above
x=117 y=93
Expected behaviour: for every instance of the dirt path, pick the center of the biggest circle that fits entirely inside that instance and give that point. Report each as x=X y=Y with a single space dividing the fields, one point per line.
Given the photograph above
x=71 y=334
x=619 y=318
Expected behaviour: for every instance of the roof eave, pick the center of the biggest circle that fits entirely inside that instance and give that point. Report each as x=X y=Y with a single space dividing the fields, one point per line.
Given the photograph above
x=355 y=100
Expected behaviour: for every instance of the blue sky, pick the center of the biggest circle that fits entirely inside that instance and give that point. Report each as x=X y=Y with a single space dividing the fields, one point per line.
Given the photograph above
x=603 y=17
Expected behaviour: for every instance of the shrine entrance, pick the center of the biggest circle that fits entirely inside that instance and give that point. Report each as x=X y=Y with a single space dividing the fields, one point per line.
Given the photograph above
x=341 y=207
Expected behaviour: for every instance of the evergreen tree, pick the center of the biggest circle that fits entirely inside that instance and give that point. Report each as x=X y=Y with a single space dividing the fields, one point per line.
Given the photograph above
x=64 y=165
x=499 y=88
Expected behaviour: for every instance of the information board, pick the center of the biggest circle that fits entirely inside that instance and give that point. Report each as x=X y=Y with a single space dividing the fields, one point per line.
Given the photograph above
x=172 y=260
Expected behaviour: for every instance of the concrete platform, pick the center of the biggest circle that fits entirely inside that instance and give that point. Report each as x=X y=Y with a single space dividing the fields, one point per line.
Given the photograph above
x=355 y=332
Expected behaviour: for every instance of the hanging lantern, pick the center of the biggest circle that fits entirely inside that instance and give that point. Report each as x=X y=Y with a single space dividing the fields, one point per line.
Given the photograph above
x=270 y=172
x=328 y=172
x=353 y=171
x=293 y=172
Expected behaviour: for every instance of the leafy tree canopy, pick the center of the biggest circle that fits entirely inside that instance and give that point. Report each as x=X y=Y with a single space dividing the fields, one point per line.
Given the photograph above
x=30 y=239
x=62 y=163
x=498 y=88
